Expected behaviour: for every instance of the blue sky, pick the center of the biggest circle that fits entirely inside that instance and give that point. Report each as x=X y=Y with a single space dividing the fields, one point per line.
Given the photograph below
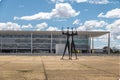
x=51 y=15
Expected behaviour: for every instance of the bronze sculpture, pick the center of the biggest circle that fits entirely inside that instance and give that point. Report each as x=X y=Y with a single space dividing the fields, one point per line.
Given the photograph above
x=69 y=45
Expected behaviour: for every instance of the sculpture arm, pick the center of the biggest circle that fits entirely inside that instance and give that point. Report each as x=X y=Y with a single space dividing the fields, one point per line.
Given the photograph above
x=64 y=33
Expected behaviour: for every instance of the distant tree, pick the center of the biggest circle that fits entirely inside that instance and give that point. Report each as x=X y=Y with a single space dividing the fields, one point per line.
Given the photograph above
x=105 y=49
x=116 y=50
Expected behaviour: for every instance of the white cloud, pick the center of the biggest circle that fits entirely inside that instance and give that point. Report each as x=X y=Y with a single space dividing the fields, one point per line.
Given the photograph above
x=114 y=13
x=57 y=1
x=117 y=46
x=93 y=1
x=81 y=28
x=98 y=1
x=60 y=20
x=82 y=1
x=114 y=28
x=41 y=26
x=76 y=22
x=41 y=15
x=92 y=25
x=52 y=29
x=118 y=37
x=79 y=1
x=27 y=26
x=62 y=10
x=103 y=38
x=9 y=26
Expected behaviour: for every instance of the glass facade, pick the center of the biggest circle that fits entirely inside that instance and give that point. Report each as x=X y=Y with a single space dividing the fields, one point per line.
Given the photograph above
x=36 y=42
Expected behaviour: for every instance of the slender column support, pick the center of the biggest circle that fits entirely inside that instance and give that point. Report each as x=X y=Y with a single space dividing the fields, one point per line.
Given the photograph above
x=31 y=43
x=92 y=45
x=51 y=42
x=108 y=43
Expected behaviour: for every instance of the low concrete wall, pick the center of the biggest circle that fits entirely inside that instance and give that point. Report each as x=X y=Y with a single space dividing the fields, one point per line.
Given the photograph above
x=60 y=49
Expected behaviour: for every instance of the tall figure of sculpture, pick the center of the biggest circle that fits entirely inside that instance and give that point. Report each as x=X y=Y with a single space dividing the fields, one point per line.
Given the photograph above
x=67 y=45
x=73 y=50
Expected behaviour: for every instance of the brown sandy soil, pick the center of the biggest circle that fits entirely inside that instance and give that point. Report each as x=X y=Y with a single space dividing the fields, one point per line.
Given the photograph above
x=53 y=68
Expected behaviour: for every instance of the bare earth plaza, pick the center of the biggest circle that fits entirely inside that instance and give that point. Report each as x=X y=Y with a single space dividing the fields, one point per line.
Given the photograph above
x=52 y=68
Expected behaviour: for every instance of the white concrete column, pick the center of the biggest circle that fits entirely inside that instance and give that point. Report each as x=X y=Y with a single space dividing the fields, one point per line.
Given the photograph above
x=90 y=43
x=51 y=42
x=31 y=43
x=108 y=43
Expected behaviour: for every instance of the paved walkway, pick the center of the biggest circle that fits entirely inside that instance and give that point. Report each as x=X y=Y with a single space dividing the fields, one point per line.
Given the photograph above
x=52 y=68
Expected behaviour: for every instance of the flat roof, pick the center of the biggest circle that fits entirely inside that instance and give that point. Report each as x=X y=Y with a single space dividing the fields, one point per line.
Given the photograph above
x=91 y=33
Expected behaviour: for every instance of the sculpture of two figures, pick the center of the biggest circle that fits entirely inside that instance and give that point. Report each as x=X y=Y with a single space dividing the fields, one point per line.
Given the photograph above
x=69 y=44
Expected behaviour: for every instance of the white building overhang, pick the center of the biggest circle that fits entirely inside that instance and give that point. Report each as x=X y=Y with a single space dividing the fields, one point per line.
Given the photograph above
x=91 y=33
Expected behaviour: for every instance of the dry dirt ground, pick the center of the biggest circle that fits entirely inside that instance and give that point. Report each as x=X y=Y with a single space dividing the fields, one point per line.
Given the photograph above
x=53 y=68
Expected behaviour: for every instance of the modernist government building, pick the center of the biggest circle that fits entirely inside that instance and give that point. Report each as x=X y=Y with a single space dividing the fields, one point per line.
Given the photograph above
x=46 y=41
